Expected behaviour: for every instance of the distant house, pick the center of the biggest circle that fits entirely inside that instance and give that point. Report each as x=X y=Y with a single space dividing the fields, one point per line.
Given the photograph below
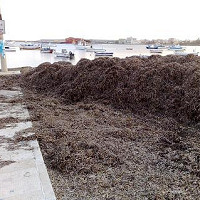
x=131 y=40
x=122 y=41
x=78 y=41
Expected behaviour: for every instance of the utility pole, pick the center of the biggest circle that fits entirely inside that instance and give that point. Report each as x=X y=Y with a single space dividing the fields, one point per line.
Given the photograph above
x=2 y=54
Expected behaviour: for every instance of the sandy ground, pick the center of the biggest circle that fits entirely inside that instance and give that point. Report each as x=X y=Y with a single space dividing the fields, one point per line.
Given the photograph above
x=93 y=151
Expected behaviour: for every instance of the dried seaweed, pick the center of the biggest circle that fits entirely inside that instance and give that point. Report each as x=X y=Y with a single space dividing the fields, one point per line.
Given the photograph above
x=4 y=163
x=94 y=151
x=158 y=85
x=9 y=82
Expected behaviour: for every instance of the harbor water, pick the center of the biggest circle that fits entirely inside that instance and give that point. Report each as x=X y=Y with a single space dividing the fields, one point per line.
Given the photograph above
x=33 y=58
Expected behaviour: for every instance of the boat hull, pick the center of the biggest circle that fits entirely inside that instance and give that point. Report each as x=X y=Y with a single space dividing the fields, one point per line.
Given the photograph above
x=10 y=50
x=81 y=47
x=156 y=47
x=156 y=50
x=176 y=48
x=95 y=50
x=152 y=47
x=62 y=55
x=185 y=54
x=46 y=50
x=29 y=48
x=104 y=54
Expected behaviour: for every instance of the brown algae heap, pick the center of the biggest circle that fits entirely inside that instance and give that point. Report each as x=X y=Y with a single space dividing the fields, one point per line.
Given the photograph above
x=163 y=85
x=119 y=128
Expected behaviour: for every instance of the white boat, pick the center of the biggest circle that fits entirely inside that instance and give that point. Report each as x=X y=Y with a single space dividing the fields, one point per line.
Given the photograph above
x=144 y=56
x=52 y=45
x=9 y=49
x=178 y=50
x=154 y=46
x=29 y=47
x=179 y=53
x=82 y=47
x=162 y=47
x=129 y=48
x=156 y=50
x=104 y=54
x=95 y=50
x=176 y=47
x=46 y=50
x=64 y=54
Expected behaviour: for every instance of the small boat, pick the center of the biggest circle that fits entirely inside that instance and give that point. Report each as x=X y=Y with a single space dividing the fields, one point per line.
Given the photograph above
x=178 y=50
x=128 y=48
x=144 y=56
x=46 y=50
x=152 y=46
x=179 y=53
x=64 y=54
x=52 y=45
x=95 y=50
x=176 y=47
x=29 y=47
x=82 y=47
x=104 y=54
x=156 y=50
x=9 y=49
x=162 y=47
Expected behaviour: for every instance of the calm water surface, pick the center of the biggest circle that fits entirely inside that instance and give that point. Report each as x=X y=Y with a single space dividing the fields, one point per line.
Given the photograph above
x=33 y=58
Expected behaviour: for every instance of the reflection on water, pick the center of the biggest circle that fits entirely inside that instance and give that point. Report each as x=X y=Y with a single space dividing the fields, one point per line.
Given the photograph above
x=33 y=58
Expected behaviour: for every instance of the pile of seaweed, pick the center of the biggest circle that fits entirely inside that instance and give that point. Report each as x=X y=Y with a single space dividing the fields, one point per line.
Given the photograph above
x=167 y=85
x=9 y=82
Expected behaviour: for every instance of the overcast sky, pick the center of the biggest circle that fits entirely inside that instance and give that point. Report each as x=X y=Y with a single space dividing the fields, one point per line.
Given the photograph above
x=103 y=19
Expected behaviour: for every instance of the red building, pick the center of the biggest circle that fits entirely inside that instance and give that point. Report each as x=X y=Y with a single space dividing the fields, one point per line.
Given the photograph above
x=72 y=40
x=79 y=41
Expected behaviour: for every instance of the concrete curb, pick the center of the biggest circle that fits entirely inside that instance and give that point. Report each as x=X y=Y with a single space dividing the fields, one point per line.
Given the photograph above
x=23 y=174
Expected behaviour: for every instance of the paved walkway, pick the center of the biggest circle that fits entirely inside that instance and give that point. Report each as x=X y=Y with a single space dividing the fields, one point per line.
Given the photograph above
x=9 y=73
x=23 y=174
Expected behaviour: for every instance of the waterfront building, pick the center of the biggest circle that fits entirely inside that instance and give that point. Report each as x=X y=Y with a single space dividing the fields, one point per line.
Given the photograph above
x=78 y=41
x=122 y=41
x=131 y=40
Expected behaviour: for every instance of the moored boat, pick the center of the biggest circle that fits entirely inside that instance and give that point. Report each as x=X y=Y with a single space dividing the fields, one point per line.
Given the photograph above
x=46 y=50
x=29 y=47
x=95 y=50
x=144 y=56
x=9 y=49
x=64 y=54
x=129 y=48
x=152 y=46
x=178 y=50
x=179 y=53
x=162 y=47
x=156 y=50
x=82 y=47
x=104 y=54
x=176 y=47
